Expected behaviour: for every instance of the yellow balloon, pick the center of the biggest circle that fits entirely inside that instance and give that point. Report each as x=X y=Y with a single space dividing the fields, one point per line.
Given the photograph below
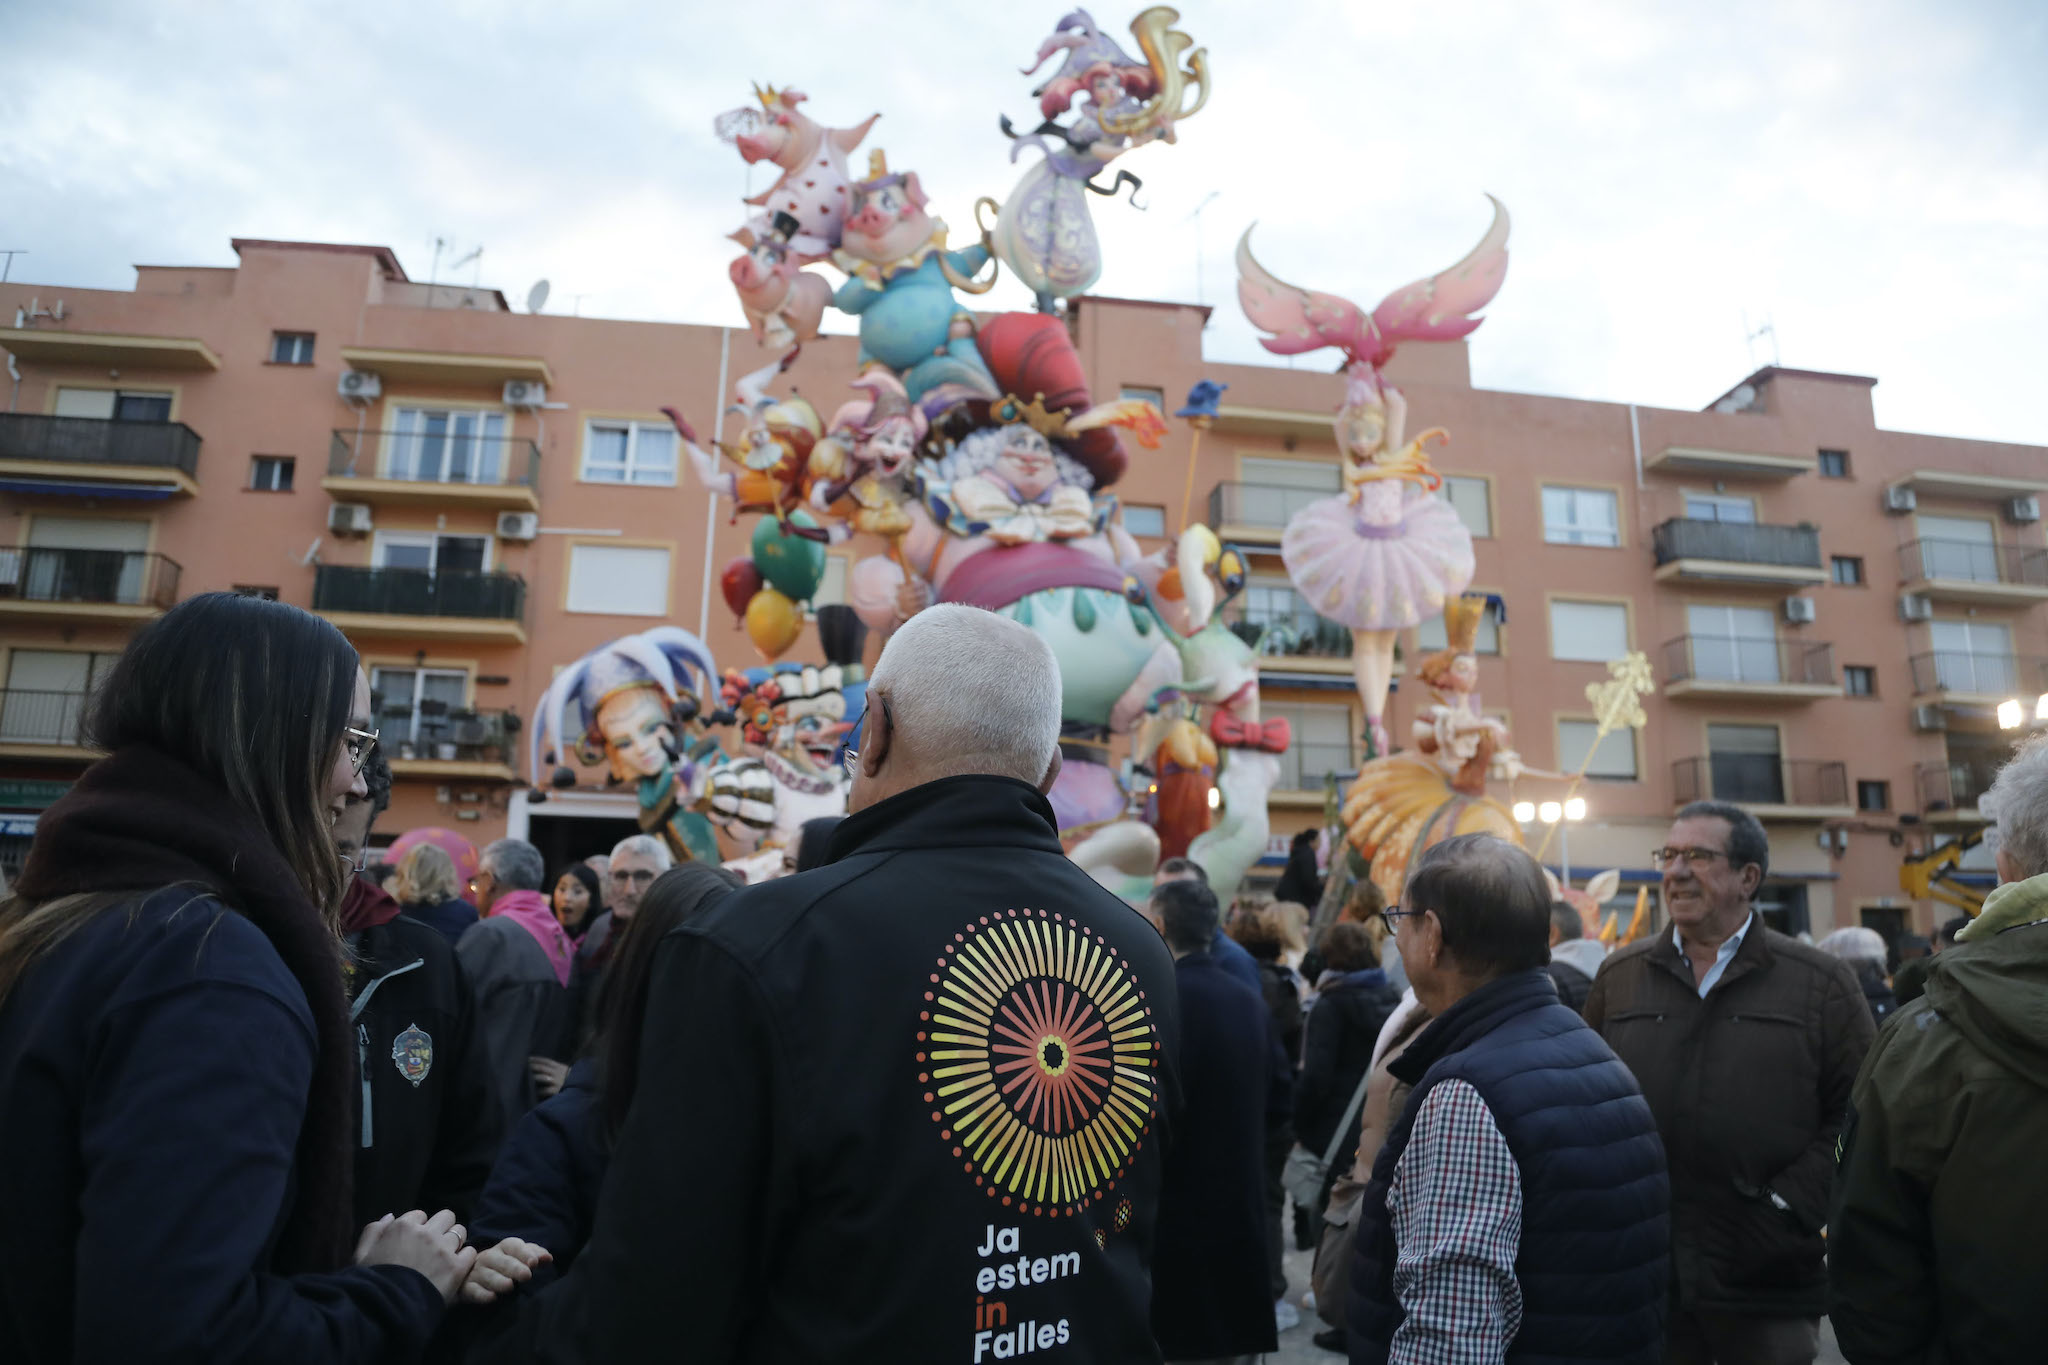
x=773 y=623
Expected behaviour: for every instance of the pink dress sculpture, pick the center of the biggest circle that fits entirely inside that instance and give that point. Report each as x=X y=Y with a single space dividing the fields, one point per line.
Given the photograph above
x=1383 y=555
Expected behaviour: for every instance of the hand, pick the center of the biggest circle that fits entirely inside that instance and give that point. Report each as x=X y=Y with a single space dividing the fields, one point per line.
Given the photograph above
x=913 y=595
x=432 y=1246
x=548 y=1076
x=502 y=1269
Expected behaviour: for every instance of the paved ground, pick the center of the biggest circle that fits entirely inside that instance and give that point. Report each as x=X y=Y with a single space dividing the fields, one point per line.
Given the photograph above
x=1296 y=1348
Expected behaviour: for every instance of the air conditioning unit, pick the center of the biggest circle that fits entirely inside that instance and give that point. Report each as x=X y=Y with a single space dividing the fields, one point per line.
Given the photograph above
x=1914 y=607
x=362 y=385
x=1900 y=500
x=518 y=525
x=1799 y=610
x=350 y=519
x=525 y=393
x=2024 y=510
x=1928 y=719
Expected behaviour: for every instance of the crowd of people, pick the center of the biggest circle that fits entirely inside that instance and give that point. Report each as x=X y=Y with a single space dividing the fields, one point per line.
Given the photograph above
x=938 y=1095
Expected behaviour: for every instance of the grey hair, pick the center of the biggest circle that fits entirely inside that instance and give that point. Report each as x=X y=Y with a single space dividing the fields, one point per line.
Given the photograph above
x=647 y=846
x=971 y=692
x=515 y=864
x=2018 y=805
x=1856 y=945
x=980 y=449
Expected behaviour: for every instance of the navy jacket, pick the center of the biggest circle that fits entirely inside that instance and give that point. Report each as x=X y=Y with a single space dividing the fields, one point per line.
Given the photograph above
x=1232 y=957
x=1211 y=1286
x=544 y=1187
x=1593 y=1262
x=154 y=1069
x=451 y=917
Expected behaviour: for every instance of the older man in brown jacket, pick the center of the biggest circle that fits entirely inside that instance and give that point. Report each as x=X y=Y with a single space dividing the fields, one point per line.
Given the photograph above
x=1746 y=1044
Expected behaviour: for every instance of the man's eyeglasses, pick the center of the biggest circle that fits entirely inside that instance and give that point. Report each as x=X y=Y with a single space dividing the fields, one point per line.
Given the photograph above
x=634 y=877
x=1390 y=918
x=852 y=759
x=360 y=745
x=1692 y=857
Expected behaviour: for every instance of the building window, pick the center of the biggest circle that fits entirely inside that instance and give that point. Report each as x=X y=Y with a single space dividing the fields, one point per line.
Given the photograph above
x=271 y=473
x=1142 y=519
x=1974 y=656
x=831 y=589
x=1472 y=499
x=1156 y=397
x=1430 y=634
x=1744 y=764
x=1588 y=632
x=414 y=705
x=1612 y=757
x=1733 y=644
x=1859 y=680
x=291 y=348
x=1834 y=464
x=44 y=700
x=629 y=452
x=443 y=445
x=434 y=553
x=251 y=590
x=618 y=580
x=1848 y=570
x=118 y=405
x=1873 y=796
x=1958 y=547
x=1319 y=743
x=1714 y=507
x=1581 y=516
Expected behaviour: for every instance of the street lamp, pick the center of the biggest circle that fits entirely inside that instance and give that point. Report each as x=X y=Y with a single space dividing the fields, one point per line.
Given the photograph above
x=1563 y=814
x=2010 y=714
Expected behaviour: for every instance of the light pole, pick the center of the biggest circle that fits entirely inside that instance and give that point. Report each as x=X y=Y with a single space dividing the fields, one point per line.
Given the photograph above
x=1563 y=814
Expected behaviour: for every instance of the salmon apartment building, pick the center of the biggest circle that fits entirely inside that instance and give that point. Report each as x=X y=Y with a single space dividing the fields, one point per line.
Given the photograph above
x=1834 y=613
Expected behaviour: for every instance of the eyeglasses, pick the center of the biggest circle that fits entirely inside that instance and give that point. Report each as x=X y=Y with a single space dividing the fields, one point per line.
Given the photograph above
x=1693 y=857
x=637 y=877
x=360 y=745
x=1388 y=918
x=852 y=759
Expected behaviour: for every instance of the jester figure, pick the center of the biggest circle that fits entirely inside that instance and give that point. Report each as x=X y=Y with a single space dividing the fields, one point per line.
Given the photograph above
x=793 y=720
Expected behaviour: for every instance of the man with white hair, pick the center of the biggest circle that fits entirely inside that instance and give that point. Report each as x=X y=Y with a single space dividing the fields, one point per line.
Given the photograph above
x=1934 y=1242
x=1865 y=953
x=909 y=1105
x=635 y=862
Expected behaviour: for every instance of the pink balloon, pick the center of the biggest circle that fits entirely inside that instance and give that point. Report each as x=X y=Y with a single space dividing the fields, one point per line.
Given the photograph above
x=461 y=850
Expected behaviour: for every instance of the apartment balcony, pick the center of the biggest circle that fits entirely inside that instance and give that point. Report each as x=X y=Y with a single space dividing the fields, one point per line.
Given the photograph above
x=445 y=469
x=1769 y=787
x=1299 y=641
x=447 y=369
x=1956 y=677
x=1257 y=513
x=97 y=457
x=85 y=585
x=1722 y=463
x=1764 y=668
x=42 y=724
x=449 y=745
x=1734 y=554
x=108 y=350
x=1966 y=571
x=449 y=605
x=1950 y=790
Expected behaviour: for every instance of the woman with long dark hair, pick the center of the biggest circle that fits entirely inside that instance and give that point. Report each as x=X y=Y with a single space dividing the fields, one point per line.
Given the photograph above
x=176 y=1062
x=543 y=1190
x=578 y=899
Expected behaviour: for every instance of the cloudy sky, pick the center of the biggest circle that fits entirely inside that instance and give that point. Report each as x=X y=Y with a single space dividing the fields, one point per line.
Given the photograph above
x=1869 y=176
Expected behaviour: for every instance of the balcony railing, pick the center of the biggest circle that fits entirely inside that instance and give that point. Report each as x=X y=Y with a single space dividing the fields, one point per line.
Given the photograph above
x=1972 y=562
x=1265 y=505
x=1760 y=659
x=127 y=578
x=1296 y=634
x=434 y=457
x=420 y=592
x=1760 y=780
x=29 y=716
x=98 y=441
x=1737 y=542
x=450 y=736
x=1991 y=675
x=1956 y=783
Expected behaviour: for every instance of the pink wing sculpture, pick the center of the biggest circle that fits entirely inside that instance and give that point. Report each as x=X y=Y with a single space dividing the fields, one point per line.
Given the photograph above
x=1383 y=555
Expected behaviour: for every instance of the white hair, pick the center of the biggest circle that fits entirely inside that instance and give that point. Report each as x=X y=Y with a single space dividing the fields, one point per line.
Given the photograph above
x=1856 y=945
x=2018 y=805
x=980 y=449
x=515 y=864
x=647 y=846
x=971 y=692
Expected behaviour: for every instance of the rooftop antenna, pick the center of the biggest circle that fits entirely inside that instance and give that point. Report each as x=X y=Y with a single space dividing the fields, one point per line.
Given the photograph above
x=537 y=297
x=1201 y=292
x=7 y=266
x=1766 y=330
x=478 y=257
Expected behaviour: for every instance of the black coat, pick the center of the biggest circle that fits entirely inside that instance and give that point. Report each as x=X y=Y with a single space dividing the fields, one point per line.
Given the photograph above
x=1211 y=1285
x=522 y=1007
x=1572 y=985
x=1343 y=1025
x=428 y=1123
x=544 y=1187
x=450 y=917
x=861 y=1136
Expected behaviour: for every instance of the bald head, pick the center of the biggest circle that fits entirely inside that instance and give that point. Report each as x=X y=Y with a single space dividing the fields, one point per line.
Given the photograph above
x=958 y=690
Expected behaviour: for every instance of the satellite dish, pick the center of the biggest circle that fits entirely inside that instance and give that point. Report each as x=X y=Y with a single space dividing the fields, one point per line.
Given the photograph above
x=312 y=555
x=537 y=297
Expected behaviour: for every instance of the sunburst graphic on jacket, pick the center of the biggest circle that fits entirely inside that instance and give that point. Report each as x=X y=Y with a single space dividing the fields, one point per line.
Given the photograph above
x=1041 y=1059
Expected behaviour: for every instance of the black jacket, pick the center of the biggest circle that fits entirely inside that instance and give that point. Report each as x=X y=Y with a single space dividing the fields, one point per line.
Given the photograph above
x=544 y=1187
x=1343 y=1025
x=428 y=1122
x=910 y=1108
x=450 y=918
x=522 y=1008
x=1211 y=1285
x=1571 y=984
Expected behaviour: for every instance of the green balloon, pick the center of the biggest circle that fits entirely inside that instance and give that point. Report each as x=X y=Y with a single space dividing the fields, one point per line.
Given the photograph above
x=792 y=564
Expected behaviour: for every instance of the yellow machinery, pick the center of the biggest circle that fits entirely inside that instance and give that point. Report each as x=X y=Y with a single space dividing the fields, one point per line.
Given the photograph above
x=1931 y=875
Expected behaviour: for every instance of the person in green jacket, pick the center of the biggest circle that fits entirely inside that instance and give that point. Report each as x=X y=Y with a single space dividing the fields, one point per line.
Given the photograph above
x=1935 y=1252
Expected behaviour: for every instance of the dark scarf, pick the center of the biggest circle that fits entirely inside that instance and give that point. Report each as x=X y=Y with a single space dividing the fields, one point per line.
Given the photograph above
x=140 y=820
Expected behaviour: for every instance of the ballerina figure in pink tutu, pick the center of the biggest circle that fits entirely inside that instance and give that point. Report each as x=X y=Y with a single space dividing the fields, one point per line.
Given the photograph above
x=1383 y=555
